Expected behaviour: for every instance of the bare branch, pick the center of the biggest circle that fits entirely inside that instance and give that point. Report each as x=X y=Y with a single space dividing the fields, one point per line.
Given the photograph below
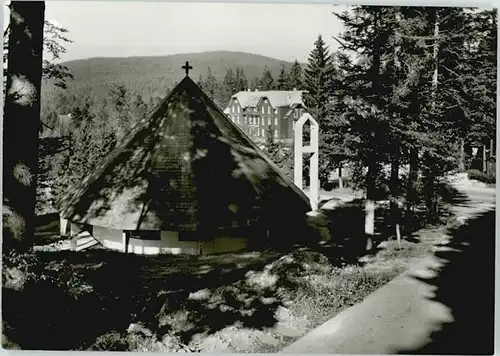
x=345 y=46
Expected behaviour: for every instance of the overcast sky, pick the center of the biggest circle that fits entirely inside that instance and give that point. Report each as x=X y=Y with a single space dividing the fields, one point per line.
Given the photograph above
x=116 y=29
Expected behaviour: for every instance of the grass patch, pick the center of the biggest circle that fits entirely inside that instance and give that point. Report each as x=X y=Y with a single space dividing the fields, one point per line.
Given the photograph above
x=254 y=302
x=480 y=176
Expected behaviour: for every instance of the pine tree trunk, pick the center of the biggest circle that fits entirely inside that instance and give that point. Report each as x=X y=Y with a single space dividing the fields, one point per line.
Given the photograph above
x=22 y=122
x=394 y=207
x=461 y=161
x=411 y=195
x=395 y=183
x=435 y=56
x=369 y=223
x=370 y=181
x=372 y=162
x=485 y=168
x=430 y=190
x=370 y=204
x=341 y=182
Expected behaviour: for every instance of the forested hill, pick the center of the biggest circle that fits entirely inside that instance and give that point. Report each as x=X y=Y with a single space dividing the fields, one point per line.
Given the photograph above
x=104 y=70
x=155 y=76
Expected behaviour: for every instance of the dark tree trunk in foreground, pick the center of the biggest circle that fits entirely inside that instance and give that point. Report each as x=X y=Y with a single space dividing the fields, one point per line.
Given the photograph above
x=21 y=122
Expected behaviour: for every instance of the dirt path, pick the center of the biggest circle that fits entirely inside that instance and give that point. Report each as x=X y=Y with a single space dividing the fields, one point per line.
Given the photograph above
x=435 y=307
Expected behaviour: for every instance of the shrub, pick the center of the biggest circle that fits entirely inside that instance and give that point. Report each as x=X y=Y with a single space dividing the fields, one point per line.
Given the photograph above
x=334 y=184
x=112 y=341
x=480 y=176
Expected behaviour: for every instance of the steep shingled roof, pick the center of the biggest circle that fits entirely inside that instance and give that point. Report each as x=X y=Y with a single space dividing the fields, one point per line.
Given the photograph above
x=277 y=98
x=185 y=168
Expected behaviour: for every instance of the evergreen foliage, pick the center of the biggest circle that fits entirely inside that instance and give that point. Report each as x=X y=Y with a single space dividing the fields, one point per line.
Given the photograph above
x=295 y=77
x=266 y=80
x=282 y=81
x=318 y=77
x=416 y=87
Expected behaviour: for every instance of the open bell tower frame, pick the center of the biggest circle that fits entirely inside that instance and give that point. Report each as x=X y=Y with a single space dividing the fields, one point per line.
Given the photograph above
x=300 y=150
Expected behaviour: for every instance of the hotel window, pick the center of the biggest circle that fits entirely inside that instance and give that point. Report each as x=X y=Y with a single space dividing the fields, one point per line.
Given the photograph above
x=275 y=121
x=263 y=110
x=237 y=109
x=268 y=121
x=268 y=109
x=276 y=133
x=258 y=121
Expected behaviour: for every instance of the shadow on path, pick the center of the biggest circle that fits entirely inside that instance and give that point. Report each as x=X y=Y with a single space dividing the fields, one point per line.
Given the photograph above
x=466 y=284
x=132 y=288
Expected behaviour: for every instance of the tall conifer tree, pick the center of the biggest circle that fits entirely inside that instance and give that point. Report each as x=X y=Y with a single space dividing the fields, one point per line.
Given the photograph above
x=295 y=77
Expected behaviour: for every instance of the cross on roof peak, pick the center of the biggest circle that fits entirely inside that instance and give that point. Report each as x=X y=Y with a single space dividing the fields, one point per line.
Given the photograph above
x=187 y=67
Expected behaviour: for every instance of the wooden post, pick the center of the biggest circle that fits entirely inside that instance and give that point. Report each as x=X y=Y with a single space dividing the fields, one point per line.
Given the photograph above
x=341 y=182
x=369 y=221
x=461 y=162
x=484 y=158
